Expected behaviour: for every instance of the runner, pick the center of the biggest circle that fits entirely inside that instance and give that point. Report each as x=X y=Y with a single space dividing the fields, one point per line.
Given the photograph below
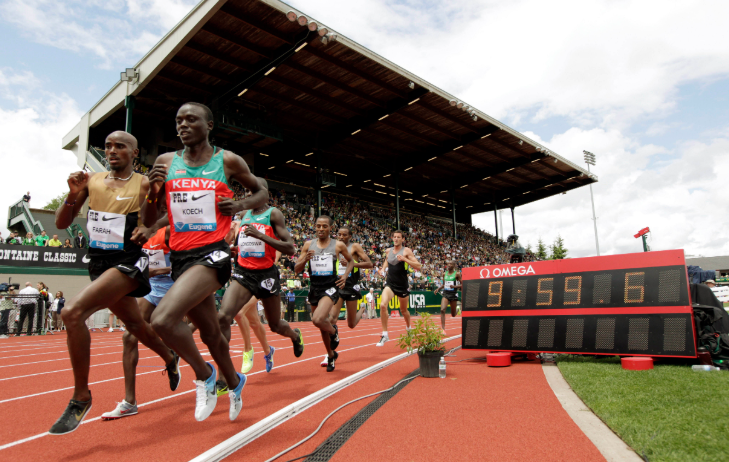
x=190 y=180
x=261 y=239
x=118 y=268
x=321 y=255
x=350 y=292
x=160 y=281
x=397 y=264
x=451 y=284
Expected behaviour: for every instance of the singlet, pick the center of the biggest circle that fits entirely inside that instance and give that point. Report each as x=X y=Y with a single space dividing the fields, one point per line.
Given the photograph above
x=253 y=253
x=353 y=277
x=449 y=281
x=195 y=220
x=323 y=264
x=159 y=255
x=397 y=271
x=113 y=215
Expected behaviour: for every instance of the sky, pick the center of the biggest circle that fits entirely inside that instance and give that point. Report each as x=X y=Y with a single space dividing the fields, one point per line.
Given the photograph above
x=644 y=85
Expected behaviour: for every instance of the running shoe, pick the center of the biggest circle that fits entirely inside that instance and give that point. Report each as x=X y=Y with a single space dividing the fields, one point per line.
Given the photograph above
x=71 y=418
x=334 y=338
x=123 y=409
x=298 y=345
x=111 y=329
x=222 y=387
x=205 y=396
x=236 y=400
x=325 y=361
x=383 y=339
x=443 y=332
x=173 y=371
x=330 y=362
x=247 y=364
x=269 y=359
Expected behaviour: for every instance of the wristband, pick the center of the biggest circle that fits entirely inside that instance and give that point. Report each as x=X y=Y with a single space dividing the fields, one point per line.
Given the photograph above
x=70 y=205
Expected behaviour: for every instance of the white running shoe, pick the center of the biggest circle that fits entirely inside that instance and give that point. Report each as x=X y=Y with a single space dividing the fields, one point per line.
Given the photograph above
x=324 y=361
x=206 y=396
x=111 y=329
x=236 y=399
x=383 y=339
x=123 y=409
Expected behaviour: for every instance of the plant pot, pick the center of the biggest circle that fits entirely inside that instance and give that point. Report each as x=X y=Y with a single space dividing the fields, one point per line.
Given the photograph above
x=429 y=363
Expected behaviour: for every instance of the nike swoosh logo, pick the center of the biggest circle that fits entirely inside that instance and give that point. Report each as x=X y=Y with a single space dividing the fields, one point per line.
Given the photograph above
x=80 y=415
x=153 y=246
x=123 y=198
x=85 y=259
x=208 y=173
x=104 y=218
x=199 y=197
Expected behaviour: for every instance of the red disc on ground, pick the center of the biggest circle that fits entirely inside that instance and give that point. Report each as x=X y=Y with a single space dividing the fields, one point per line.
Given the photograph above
x=498 y=359
x=637 y=363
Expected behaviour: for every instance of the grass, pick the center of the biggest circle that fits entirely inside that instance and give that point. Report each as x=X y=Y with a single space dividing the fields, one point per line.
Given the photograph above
x=669 y=413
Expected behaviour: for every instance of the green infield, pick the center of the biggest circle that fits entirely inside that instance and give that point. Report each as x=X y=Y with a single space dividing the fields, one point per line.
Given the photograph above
x=669 y=413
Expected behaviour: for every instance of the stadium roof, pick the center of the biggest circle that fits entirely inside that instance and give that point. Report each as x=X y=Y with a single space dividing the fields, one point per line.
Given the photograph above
x=282 y=98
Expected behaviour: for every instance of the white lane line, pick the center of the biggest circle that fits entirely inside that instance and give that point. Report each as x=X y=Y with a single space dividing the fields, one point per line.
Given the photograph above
x=262 y=427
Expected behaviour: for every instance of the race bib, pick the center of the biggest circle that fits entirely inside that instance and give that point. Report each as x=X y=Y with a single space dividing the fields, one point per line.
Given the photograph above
x=330 y=291
x=250 y=247
x=156 y=258
x=193 y=210
x=142 y=263
x=342 y=268
x=322 y=265
x=106 y=230
x=448 y=285
x=356 y=288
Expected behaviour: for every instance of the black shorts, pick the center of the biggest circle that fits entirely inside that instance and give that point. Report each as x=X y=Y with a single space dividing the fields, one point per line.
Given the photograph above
x=399 y=291
x=317 y=293
x=262 y=283
x=133 y=264
x=450 y=295
x=216 y=256
x=350 y=292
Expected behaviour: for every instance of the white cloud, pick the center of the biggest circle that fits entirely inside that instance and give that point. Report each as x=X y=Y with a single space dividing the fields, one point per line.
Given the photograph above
x=31 y=130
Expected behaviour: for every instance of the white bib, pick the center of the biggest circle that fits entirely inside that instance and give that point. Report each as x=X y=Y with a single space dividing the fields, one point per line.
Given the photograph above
x=250 y=247
x=106 y=230
x=156 y=258
x=448 y=285
x=342 y=268
x=321 y=265
x=193 y=210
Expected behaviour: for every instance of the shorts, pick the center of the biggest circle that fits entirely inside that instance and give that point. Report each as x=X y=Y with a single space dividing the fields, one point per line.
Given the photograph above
x=399 y=291
x=350 y=293
x=317 y=293
x=261 y=283
x=450 y=295
x=216 y=256
x=132 y=264
x=153 y=299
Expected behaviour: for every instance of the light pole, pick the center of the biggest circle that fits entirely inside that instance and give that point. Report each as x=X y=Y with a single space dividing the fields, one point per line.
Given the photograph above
x=590 y=160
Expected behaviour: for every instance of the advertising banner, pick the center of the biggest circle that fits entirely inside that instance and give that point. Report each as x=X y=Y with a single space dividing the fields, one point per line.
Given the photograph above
x=53 y=257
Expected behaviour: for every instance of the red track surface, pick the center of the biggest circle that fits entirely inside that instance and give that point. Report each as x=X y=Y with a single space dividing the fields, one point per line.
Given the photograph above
x=36 y=384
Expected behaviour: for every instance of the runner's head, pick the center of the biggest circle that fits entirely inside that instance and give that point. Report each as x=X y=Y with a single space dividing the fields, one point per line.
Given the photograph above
x=194 y=122
x=451 y=265
x=398 y=237
x=120 y=149
x=344 y=234
x=324 y=227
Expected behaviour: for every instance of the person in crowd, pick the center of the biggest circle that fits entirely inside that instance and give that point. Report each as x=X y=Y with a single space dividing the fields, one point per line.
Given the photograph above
x=29 y=239
x=54 y=242
x=710 y=282
x=28 y=303
x=12 y=239
x=7 y=306
x=290 y=305
x=26 y=197
x=67 y=244
x=56 y=308
x=42 y=239
x=80 y=241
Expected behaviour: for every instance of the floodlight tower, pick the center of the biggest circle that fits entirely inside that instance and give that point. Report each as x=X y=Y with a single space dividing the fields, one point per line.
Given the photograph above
x=590 y=160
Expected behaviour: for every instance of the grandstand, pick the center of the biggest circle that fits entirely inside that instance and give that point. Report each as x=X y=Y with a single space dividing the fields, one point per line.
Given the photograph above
x=323 y=113
x=23 y=219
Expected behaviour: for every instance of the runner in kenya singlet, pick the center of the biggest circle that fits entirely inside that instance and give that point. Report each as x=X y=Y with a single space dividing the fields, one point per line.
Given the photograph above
x=192 y=205
x=254 y=254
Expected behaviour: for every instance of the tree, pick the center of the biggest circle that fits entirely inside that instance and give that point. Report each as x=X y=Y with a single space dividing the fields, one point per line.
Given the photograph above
x=541 y=250
x=55 y=203
x=558 y=249
x=529 y=247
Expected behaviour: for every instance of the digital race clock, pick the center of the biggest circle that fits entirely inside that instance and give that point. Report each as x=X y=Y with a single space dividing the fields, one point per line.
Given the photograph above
x=633 y=304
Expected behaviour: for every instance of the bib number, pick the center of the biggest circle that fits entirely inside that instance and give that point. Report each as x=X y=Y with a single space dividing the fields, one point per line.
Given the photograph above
x=106 y=230
x=193 y=210
x=448 y=285
x=156 y=258
x=322 y=265
x=250 y=247
x=342 y=267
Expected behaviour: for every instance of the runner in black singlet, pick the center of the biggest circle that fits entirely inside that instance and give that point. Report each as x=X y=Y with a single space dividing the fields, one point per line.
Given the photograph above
x=451 y=284
x=398 y=260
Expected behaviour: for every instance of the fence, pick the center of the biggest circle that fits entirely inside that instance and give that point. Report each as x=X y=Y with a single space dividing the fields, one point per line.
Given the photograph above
x=22 y=314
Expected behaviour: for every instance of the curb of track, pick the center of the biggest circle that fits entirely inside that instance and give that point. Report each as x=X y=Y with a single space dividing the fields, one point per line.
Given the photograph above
x=260 y=428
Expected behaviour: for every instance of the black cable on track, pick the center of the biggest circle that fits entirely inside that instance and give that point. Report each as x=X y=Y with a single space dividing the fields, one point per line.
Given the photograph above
x=325 y=451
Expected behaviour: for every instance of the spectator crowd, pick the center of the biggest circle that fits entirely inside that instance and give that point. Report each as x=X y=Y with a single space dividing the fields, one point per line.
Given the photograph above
x=42 y=240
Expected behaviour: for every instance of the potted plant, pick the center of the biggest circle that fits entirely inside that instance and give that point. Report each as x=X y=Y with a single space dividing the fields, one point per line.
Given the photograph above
x=425 y=337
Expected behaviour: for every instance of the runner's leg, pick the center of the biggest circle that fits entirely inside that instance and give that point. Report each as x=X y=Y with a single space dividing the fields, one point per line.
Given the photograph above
x=251 y=314
x=130 y=356
x=353 y=315
x=320 y=317
x=404 y=304
x=443 y=305
x=387 y=295
x=235 y=298
x=336 y=309
x=275 y=323
x=454 y=308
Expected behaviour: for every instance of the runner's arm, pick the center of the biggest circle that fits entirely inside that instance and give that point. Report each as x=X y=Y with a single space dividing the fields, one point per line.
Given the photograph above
x=303 y=258
x=284 y=243
x=364 y=261
x=158 y=271
x=459 y=279
x=341 y=249
x=156 y=177
x=237 y=169
x=411 y=259
x=385 y=264
x=78 y=185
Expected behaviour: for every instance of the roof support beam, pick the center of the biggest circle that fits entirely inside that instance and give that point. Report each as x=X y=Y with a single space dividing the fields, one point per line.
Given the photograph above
x=244 y=17
x=213 y=53
x=446 y=147
x=226 y=35
x=193 y=66
x=292 y=102
x=315 y=93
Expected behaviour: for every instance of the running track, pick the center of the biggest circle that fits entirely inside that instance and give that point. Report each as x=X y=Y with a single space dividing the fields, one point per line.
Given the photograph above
x=36 y=384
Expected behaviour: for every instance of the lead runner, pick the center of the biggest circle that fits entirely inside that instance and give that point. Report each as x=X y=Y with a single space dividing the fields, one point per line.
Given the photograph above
x=190 y=180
